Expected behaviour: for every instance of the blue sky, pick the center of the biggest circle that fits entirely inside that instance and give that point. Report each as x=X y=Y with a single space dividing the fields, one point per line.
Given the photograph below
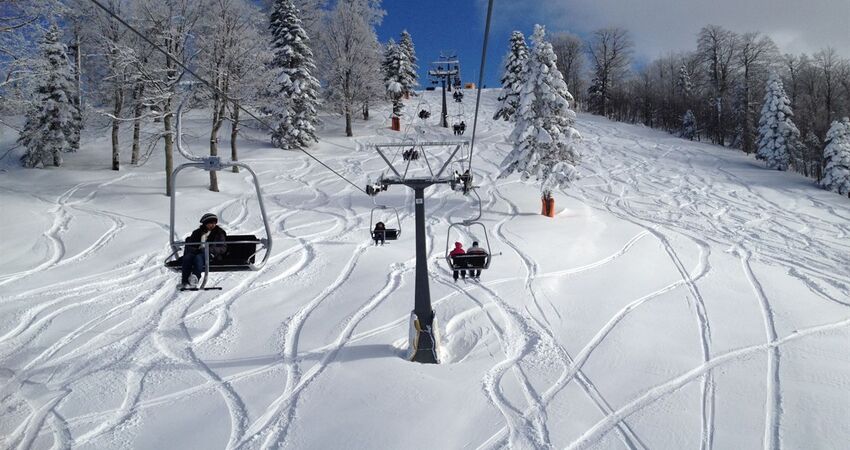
x=445 y=25
x=656 y=26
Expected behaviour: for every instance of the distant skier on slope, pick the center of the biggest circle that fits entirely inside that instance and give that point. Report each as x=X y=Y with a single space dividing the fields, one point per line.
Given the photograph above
x=458 y=262
x=193 y=256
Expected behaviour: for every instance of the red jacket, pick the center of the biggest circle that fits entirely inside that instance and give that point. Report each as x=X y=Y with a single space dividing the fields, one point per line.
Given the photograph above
x=458 y=250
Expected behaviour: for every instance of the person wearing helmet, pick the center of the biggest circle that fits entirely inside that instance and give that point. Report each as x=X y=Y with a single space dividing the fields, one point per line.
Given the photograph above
x=193 y=255
x=458 y=262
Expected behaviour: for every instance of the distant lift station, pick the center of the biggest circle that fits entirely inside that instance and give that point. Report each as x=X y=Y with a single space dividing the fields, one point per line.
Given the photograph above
x=446 y=73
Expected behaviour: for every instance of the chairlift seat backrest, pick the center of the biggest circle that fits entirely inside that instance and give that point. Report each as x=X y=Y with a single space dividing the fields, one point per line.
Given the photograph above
x=476 y=261
x=390 y=234
x=239 y=257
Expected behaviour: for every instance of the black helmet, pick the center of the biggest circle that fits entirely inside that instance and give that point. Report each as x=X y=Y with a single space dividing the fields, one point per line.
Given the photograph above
x=209 y=217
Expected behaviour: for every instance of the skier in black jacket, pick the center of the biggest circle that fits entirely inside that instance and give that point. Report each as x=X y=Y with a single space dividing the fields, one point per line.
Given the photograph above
x=193 y=256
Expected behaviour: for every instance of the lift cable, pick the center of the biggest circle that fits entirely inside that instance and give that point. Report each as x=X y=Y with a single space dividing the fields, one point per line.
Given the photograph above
x=480 y=79
x=213 y=88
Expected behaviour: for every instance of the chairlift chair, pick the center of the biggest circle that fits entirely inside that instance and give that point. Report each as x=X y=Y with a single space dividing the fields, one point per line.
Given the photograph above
x=242 y=250
x=388 y=234
x=461 y=177
x=411 y=154
x=467 y=261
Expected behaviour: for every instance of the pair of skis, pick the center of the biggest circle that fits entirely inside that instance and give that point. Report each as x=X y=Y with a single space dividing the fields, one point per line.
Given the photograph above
x=196 y=288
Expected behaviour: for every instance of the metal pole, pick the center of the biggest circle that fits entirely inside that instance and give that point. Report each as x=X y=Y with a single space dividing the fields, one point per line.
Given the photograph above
x=443 y=122
x=423 y=333
x=422 y=298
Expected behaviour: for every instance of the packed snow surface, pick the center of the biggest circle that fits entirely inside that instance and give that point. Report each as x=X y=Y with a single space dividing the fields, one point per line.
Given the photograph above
x=683 y=297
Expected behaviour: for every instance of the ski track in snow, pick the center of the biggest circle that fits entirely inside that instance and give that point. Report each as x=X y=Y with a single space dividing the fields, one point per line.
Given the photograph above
x=773 y=402
x=537 y=402
x=724 y=234
x=142 y=324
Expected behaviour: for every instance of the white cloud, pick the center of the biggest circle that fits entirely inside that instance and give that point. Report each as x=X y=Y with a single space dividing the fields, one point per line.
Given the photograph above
x=659 y=26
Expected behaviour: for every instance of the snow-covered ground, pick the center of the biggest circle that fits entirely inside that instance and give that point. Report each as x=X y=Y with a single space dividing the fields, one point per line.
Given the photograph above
x=683 y=297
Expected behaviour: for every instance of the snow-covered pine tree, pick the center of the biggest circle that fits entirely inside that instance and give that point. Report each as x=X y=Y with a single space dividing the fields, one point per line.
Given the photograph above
x=777 y=133
x=689 y=125
x=836 y=176
x=409 y=77
x=511 y=78
x=295 y=87
x=683 y=83
x=392 y=68
x=53 y=120
x=543 y=137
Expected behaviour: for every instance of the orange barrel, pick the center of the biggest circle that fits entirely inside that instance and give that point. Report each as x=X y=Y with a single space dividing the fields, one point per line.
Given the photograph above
x=548 y=206
x=396 y=125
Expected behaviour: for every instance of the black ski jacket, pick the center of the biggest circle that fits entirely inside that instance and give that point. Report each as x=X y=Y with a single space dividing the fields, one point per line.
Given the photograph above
x=217 y=251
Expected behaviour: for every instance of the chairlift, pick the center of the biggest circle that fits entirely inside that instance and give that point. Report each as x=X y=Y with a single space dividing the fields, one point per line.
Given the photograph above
x=411 y=154
x=469 y=261
x=242 y=250
x=462 y=181
x=387 y=234
x=475 y=261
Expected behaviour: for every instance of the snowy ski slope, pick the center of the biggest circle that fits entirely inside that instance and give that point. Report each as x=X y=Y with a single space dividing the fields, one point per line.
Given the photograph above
x=683 y=297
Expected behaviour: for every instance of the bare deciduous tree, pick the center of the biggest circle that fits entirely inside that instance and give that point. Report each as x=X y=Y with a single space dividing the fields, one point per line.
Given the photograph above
x=610 y=52
x=569 y=49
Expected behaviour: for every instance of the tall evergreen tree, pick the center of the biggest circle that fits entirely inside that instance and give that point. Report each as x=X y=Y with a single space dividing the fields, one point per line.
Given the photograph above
x=511 y=79
x=836 y=177
x=53 y=121
x=543 y=136
x=295 y=86
x=393 y=64
x=683 y=83
x=778 y=136
x=409 y=77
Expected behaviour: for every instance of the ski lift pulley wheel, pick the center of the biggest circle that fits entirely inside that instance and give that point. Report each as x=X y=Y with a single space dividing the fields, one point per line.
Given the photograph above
x=466 y=261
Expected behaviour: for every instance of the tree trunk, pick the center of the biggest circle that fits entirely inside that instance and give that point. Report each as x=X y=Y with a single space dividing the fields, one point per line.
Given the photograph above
x=116 y=124
x=366 y=110
x=169 y=148
x=346 y=90
x=138 y=109
x=216 y=124
x=348 y=131
x=234 y=132
x=747 y=126
x=219 y=107
x=78 y=63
